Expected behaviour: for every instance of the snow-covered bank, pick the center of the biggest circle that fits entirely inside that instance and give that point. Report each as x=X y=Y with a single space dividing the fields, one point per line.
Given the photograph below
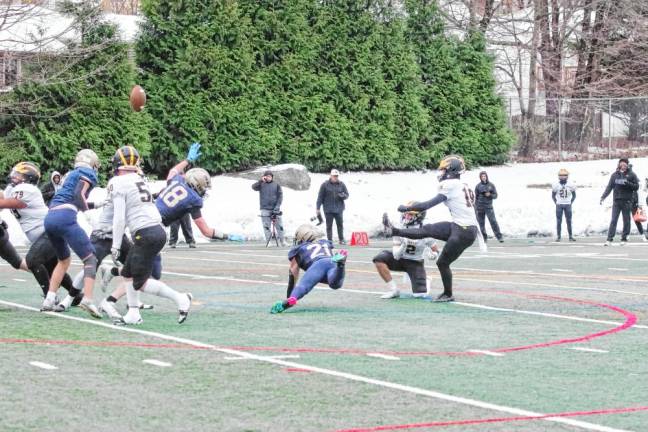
x=233 y=206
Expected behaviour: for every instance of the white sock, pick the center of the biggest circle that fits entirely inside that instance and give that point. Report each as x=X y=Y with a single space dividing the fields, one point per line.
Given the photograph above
x=78 y=281
x=67 y=301
x=132 y=297
x=160 y=289
x=391 y=285
x=51 y=296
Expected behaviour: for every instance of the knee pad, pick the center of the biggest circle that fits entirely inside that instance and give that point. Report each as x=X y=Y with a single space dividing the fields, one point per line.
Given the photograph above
x=90 y=267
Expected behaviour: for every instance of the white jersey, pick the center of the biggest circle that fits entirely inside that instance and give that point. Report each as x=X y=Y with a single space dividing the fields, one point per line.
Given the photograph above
x=564 y=192
x=32 y=217
x=460 y=202
x=105 y=221
x=410 y=249
x=140 y=210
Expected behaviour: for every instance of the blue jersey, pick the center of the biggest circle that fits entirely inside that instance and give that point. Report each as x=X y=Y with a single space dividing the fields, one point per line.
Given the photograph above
x=307 y=253
x=178 y=199
x=68 y=193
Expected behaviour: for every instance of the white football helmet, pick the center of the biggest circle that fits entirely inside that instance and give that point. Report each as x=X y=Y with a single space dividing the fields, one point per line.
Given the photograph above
x=199 y=180
x=307 y=233
x=87 y=158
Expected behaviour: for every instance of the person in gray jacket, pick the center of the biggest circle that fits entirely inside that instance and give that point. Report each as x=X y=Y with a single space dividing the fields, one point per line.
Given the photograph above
x=270 y=199
x=332 y=195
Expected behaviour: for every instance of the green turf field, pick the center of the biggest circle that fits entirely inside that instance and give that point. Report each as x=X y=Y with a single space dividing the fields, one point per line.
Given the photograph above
x=538 y=329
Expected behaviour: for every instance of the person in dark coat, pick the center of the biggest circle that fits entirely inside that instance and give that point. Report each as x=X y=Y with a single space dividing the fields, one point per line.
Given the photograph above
x=49 y=189
x=623 y=183
x=270 y=199
x=635 y=206
x=485 y=193
x=332 y=195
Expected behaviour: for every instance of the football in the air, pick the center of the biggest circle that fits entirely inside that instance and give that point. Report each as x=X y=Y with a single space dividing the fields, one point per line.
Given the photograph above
x=137 y=98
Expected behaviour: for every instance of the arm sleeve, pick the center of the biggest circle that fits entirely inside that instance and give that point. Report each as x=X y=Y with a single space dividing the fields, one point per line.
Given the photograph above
x=633 y=181
x=553 y=196
x=279 y=198
x=119 y=220
x=256 y=185
x=79 y=195
x=320 y=197
x=609 y=187
x=573 y=195
x=346 y=191
x=195 y=213
x=494 y=192
x=429 y=204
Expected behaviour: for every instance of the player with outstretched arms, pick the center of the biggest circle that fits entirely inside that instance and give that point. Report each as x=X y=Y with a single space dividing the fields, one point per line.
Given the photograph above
x=134 y=209
x=25 y=201
x=407 y=255
x=64 y=231
x=314 y=255
x=183 y=194
x=458 y=234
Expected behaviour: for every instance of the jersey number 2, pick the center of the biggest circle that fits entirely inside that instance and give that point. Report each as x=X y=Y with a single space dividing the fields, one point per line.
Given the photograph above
x=318 y=250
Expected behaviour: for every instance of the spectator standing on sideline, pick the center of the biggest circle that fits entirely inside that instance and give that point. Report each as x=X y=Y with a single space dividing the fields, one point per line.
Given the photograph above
x=485 y=193
x=623 y=182
x=332 y=195
x=185 y=223
x=48 y=190
x=270 y=199
x=563 y=195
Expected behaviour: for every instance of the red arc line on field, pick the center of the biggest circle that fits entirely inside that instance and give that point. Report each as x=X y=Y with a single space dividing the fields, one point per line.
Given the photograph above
x=630 y=320
x=495 y=420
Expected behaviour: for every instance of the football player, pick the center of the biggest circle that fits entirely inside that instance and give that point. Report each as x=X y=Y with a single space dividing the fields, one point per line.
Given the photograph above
x=64 y=231
x=407 y=256
x=458 y=234
x=183 y=195
x=25 y=201
x=133 y=207
x=314 y=255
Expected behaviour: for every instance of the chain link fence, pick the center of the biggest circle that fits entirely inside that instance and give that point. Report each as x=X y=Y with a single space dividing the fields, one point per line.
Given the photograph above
x=578 y=129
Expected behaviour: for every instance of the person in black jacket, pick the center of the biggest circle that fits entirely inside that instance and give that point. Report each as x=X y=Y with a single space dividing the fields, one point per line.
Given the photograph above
x=634 y=207
x=332 y=195
x=623 y=182
x=270 y=199
x=485 y=193
x=48 y=190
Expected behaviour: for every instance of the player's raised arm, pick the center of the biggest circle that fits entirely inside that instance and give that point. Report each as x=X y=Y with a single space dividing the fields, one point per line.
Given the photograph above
x=424 y=205
x=192 y=156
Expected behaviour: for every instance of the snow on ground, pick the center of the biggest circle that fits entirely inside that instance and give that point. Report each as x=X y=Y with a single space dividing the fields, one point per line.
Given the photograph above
x=233 y=206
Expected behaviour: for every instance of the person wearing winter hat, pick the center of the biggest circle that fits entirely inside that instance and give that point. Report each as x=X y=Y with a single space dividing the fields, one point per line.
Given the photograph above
x=270 y=199
x=563 y=195
x=485 y=193
x=623 y=182
x=331 y=196
x=49 y=189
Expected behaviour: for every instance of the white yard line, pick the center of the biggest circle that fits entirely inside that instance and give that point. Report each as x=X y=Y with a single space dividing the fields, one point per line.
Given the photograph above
x=42 y=365
x=486 y=352
x=287 y=356
x=593 y=350
x=156 y=363
x=562 y=270
x=330 y=372
x=270 y=275
x=383 y=356
x=617 y=269
x=19 y=280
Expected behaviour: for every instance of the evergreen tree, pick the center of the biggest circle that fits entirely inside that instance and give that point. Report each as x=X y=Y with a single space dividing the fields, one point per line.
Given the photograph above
x=197 y=70
x=84 y=106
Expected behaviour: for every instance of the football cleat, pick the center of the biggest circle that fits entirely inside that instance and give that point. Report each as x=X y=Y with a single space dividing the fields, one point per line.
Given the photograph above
x=89 y=307
x=572 y=239
x=387 y=225
x=624 y=242
x=48 y=305
x=105 y=276
x=144 y=306
x=281 y=306
x=110 y=310
x=444 y=298
x=183 y=312
x=132 y=317
x=391 y=295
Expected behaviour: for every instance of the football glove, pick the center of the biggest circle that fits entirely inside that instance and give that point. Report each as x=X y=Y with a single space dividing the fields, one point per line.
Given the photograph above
x=429 y=254
x=194 y=152
x=403 y=208
x=235 y=237
x=115 y=252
